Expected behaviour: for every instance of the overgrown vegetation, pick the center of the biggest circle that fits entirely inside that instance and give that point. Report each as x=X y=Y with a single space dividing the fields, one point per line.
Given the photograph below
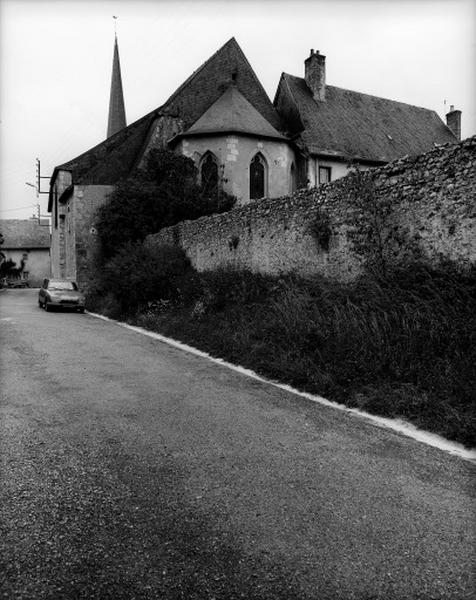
x=399 y=346
x=161 y=194
x=379 y=238
x=400 y=341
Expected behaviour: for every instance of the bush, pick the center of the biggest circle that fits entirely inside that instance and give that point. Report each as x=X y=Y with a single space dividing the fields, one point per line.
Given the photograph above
x=138 y=274
x=164 y=193
x=403 y=345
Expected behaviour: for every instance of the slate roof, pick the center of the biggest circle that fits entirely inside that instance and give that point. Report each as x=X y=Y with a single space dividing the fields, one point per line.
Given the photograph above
x=233 y=113
x=113 y=158
x=24 y=234
x=117 y=156
x=355 y=125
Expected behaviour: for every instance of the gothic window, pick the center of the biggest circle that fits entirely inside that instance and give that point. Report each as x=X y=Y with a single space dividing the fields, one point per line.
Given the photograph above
x=292 y=179
x=324 y=174
x=209 y=174
x=257 y=177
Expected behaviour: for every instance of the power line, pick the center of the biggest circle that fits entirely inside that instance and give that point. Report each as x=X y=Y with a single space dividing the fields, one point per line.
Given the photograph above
x=19 y=208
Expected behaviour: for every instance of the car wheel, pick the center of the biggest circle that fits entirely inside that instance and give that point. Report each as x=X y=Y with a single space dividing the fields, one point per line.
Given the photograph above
x=81 y=310
x=47 y=306
x=39 y=303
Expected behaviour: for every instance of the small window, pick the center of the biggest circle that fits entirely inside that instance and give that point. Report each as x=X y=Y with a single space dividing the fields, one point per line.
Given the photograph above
x=56 y=208
x=324 y=174
x=292 y=179
x=209 y=174
x=257 y=177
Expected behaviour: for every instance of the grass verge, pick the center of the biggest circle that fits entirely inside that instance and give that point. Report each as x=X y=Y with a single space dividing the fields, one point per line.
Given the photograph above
x=403 y=346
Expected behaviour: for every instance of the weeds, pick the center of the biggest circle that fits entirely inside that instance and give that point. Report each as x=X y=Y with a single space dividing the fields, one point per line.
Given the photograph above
x=403 y=345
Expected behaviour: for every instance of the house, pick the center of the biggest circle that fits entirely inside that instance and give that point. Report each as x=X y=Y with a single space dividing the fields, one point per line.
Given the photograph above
x=27 y=244
x=334 y=127
x=222 y=118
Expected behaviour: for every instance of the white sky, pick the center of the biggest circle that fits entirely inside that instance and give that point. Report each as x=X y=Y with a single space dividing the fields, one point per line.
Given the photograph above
x=56 y=59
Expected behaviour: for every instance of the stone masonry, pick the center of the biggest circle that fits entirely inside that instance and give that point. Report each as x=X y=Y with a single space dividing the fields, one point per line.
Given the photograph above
x=433 y=198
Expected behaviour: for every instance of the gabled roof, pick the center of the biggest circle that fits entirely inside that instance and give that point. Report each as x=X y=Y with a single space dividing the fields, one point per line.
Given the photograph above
x=113 y=158
x=24 y=234
x=210 y=80
x=117 y=156
x=360 y=126
x=233 y=113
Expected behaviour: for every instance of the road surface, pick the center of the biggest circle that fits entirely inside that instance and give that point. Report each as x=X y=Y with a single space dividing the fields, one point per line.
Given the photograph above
x=133 y=470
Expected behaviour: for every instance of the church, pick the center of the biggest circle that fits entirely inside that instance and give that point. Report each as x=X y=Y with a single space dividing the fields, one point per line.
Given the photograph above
x=222 y=118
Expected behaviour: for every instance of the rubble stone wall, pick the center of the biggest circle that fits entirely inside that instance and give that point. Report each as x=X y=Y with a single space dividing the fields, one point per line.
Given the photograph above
x=433 y=198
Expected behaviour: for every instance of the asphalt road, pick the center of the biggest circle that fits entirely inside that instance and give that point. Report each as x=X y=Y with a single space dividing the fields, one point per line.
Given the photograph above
x=133 y=470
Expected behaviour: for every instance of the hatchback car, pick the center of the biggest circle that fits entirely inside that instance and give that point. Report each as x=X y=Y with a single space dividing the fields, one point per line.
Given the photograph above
x=60 y=293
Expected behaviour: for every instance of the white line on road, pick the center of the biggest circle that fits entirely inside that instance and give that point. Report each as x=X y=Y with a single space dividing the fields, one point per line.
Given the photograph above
x=407 y=429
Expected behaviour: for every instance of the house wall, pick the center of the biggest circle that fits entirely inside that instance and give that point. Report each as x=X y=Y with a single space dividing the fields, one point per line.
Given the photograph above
x=338 y=169
x=432 y=196
x=87 y=200
x=37 y=262
x=234 y=154
x=75 y=239
x=57 y=253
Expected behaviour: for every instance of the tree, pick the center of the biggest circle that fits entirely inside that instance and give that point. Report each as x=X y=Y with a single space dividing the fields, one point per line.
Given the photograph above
x=2 y=241
x=377 y=235
x=161 y=194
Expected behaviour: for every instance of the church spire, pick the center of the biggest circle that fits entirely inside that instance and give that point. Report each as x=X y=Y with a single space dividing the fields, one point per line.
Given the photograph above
x=117 y=112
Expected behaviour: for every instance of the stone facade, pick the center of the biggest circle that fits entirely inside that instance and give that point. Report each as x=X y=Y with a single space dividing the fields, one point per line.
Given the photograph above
x=433 y=200
x=74 y=241
x=234 y=153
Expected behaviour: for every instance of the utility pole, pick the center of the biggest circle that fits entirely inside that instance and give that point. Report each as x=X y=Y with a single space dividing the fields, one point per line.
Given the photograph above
x=38 y=191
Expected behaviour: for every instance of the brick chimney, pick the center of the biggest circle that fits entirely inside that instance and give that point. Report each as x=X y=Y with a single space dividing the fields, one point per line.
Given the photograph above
x=453 y=120
x=315 y=75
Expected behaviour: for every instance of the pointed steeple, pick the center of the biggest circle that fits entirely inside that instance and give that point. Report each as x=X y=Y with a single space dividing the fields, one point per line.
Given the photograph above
x=117 y=112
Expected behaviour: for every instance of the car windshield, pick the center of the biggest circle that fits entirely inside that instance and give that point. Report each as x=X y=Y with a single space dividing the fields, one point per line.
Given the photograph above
x=62 y=285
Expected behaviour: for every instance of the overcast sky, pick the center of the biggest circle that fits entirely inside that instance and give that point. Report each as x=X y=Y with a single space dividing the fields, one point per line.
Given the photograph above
x=56 y=59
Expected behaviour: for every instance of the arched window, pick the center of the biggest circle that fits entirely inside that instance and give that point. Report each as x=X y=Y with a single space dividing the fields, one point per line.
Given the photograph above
x=209 y=174
x=258 y=177
x=292 y=179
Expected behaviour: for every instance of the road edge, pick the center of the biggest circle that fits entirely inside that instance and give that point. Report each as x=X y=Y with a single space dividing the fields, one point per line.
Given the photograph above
x=396 y=425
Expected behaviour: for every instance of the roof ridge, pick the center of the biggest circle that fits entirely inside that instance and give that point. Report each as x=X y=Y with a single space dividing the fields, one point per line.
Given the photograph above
x=336 y=87
x=109 y=140
x=254 y=74
x=235 y=97
x=232 y=40
x=156 y=111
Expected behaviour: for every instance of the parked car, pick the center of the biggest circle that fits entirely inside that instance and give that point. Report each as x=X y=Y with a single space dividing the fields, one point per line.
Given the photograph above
x=17 y=283
x=60 y=293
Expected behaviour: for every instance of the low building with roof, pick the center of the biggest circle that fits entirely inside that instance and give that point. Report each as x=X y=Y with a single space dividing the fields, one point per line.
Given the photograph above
x=27 y=244
x=335 y=128
x=222 y=118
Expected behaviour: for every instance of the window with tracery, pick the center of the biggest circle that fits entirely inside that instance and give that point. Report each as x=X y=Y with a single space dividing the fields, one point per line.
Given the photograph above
x=324 y=174
x=292 y=179
x=209 y=174
x=258 y=173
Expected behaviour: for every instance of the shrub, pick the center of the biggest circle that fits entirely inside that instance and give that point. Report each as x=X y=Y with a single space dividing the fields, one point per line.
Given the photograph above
x=403 y=344
x=164 y=193
x=138 y=274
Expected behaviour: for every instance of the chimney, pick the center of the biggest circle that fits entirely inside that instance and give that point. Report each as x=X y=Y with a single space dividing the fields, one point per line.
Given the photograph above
x=453 y=120
x=315 y=75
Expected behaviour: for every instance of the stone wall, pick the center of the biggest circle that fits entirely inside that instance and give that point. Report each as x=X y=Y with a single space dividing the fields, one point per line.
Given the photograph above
x=87 y=199
x=433 y=199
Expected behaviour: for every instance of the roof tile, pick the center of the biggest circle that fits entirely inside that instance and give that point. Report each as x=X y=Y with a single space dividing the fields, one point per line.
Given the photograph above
x=24 y=234
x=359 y=125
